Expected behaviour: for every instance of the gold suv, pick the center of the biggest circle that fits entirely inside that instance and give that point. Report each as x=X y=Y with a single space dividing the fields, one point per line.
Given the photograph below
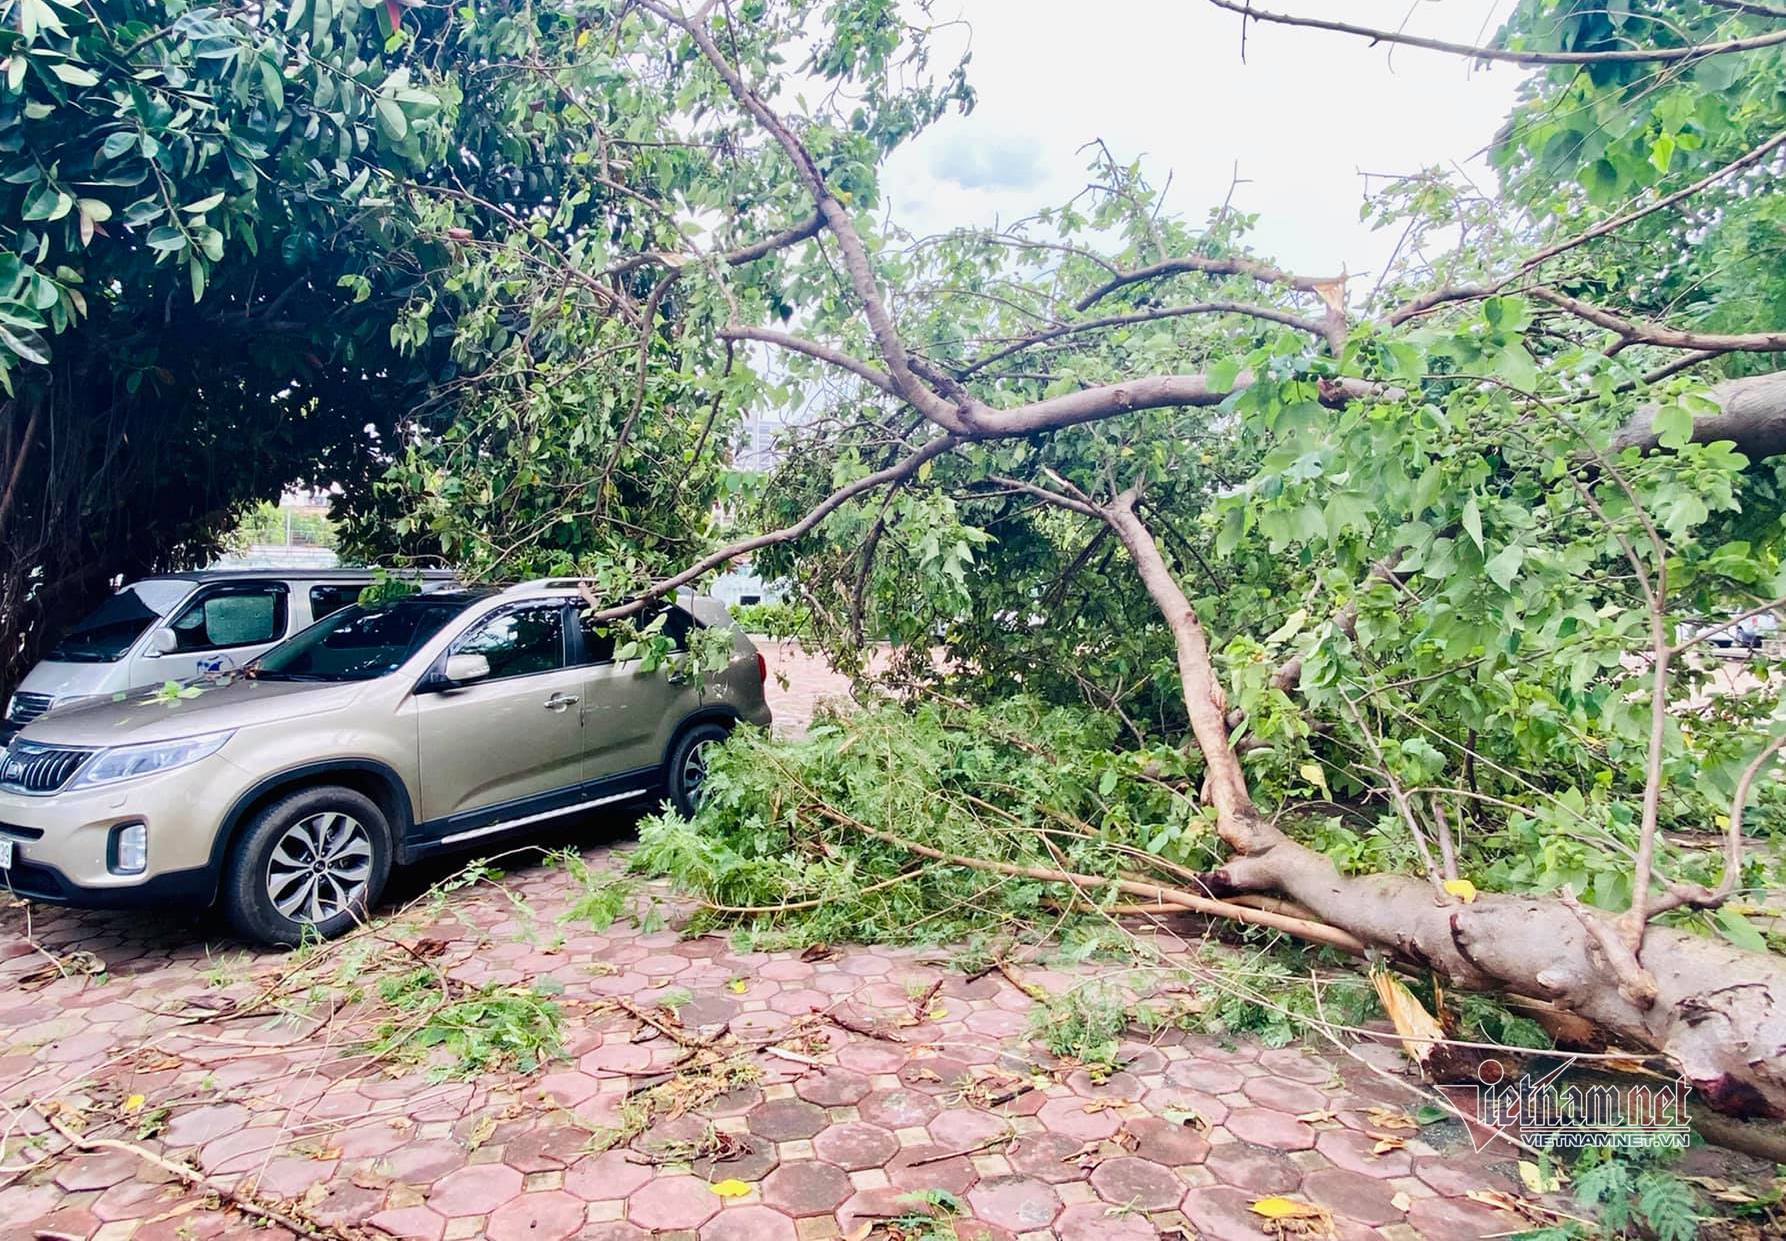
x=378 y=736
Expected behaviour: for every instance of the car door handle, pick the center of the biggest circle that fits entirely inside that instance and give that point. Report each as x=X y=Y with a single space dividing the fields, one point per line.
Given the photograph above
x=558 y=702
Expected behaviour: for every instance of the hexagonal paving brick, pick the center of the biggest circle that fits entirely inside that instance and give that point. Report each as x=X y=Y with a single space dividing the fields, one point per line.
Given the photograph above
x=934 y=1074
x=749 y=1223
x=1167 y=1142
x=923 y=1167
x=672 y=1202
x=1252 y=1169
x=1297 y=1064
x=97 y=1171
x=1362 y=1198
x=1137 y=1183
x=1454 y=1177
x=1356 y=1152
x=785 y=1120
x=409 y=1224
x=1222 y=1213
x=1069 y=1116
x=1092 y=1221
x=605 y=1177
x=1047 y=1156
x=476 y=1190
x=1087 y=1085
x=873 y=1207
x=1283 y=1095
x=832 y=1087
x=897 y=1109
x=1263 y=1127
x=549 y=1215
x=1454 y=1219
x=807 y=1188
x=962 y=1128
x=855 y=1145
x=1209 y=1076
x=418 y=1163
x=202 y=1124
x=544 y=1148
x=869 y=1057
x=1020 y=1203
x=750 y=1159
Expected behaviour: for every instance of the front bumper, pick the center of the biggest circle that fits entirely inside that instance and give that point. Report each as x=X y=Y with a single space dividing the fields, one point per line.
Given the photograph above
x=62 y=842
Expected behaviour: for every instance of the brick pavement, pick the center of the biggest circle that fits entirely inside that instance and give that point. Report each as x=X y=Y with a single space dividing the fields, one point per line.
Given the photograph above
x=838 y=1128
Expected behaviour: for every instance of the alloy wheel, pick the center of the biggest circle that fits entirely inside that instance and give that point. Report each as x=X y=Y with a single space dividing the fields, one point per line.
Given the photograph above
x=694 y=770
x=320 y=867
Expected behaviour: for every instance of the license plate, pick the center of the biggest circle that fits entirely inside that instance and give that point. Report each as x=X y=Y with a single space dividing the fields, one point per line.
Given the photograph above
x=5 y=855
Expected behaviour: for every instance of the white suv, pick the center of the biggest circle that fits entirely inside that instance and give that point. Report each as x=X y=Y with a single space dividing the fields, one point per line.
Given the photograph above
x=180 y=625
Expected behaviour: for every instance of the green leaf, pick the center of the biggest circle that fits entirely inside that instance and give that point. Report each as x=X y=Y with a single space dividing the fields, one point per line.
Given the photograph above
x=204 y=204
x=391 y=121
x=47 y=203
x=1472 y=522
x=1222 y=375
x=1504 y=567
x=196 y=268
x=1737 y=928
x=272 y=83
x=74 y=75
x=35 y=15
x=1673 y=425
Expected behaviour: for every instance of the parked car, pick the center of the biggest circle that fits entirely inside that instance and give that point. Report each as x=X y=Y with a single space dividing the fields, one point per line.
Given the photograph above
x=378 y=736
x=180 y=625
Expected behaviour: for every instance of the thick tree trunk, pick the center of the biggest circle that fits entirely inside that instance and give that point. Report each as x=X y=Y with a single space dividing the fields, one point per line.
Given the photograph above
x=1752 y=415
x=1718 y=1014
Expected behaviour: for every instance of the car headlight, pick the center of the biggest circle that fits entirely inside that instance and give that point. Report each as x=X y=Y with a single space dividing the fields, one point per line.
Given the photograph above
x=126 y=762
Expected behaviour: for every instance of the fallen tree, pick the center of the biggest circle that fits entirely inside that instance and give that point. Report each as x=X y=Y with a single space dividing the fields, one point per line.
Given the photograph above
x=1459 y=587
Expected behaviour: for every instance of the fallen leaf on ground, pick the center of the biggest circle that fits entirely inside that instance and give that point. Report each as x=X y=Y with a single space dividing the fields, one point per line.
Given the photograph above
x=1288 y=1217
x=1391 y=1118
x=1386 y=1142
x=731 y=1187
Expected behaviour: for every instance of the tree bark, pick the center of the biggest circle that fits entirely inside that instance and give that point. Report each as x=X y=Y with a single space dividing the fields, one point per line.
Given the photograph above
x=1752 y=415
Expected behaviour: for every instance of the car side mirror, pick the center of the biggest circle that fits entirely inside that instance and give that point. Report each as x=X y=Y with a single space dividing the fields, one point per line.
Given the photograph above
x=463 y=669
x=163 y=641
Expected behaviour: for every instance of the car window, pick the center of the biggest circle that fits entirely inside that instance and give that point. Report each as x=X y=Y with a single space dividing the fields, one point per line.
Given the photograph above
x=235 y=617
x=518 y=643
x=598 y=637
x=114 y=626
x=359 y=643
x=325 y=600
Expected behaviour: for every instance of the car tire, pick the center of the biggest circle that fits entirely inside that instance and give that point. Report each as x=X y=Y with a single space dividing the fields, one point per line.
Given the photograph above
x=312 y=862
x=686 y=767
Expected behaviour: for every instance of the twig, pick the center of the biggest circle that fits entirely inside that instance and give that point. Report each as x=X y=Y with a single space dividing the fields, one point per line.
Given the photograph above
x=245 y=1203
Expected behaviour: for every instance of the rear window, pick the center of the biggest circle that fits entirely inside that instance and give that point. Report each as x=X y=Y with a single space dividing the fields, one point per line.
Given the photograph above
x=325 y=600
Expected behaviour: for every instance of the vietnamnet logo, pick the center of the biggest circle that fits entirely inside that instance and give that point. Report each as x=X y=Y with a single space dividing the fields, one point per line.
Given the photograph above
x=1546 y=1113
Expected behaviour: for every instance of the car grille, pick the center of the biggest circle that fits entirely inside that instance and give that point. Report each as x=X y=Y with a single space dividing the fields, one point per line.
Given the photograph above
x=27 y=707
x=34 y=768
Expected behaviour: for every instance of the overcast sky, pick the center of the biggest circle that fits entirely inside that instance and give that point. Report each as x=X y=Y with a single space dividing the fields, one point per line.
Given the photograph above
x=1303 y=116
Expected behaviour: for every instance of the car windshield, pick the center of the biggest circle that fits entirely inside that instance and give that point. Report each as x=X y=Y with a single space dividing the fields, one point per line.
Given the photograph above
x=360 y=642
x=113 y=627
